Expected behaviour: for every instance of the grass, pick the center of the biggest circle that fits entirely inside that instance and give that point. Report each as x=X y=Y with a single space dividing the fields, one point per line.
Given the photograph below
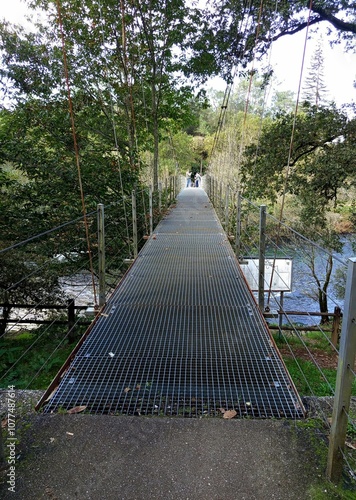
x=329 y=491
x=319 y=381
x=310 y=380
x=31 y=359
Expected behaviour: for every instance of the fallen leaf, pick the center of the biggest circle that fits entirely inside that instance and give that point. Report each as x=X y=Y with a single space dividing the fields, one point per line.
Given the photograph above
x=230 y=414
x=222 y=410
x=127 y=389
x=51 y=440
x=350 y=445
x=76 y=409
x=4 y=423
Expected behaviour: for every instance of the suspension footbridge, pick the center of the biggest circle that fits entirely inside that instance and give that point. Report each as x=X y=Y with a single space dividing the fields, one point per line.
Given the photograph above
x=181 y=334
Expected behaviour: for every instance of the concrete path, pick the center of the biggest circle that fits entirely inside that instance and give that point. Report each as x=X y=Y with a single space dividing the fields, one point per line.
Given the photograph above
x=121 y=457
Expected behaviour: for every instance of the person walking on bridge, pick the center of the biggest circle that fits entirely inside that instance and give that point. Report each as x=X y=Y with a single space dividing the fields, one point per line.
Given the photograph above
x=188 y=178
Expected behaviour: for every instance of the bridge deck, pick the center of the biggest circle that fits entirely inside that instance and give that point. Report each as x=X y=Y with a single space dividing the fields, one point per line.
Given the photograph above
x=182 y=334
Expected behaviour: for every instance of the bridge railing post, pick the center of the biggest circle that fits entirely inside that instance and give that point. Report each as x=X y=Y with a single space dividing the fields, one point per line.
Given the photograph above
x=134 y=224
x=227 y=195
x=261 y=260
x=166 y=191
x=238 y=226
x=220 y=200
x=160 y=197
x=71 y=319
x=344 y=378
x=101 y=254
x=336 y=326
x=151 y=209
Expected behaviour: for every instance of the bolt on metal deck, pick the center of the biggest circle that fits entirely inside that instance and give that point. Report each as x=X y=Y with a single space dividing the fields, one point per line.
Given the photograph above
x=182 y=333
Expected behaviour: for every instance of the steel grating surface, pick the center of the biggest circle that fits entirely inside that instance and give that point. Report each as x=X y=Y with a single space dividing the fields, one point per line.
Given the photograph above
x=182 y=334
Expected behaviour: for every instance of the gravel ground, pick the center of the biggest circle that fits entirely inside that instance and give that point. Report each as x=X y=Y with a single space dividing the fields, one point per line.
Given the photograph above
x=25 y=400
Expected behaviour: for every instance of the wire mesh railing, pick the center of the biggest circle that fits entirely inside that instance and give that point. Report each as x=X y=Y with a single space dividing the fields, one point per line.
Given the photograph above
x=48 y=294
x=301 y=291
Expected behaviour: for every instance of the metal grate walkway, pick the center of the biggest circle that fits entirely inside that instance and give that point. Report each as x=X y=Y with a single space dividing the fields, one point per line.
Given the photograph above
x=182 y=334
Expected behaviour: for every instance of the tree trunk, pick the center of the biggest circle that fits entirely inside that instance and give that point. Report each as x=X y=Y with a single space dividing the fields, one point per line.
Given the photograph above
x=323 y=297
x=323 y=305
x=322 y=289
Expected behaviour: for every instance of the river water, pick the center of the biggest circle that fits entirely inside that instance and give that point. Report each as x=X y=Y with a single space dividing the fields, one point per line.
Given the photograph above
x=303 y=294
x=301 y=298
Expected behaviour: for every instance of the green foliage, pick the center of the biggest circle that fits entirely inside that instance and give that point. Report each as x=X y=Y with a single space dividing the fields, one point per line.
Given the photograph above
x=283 y=102
x=309 y=378
x=313 y=168
x=319 y=161
x=330 y=491
x=127 y=89
x=125 y=96
x=41 y=350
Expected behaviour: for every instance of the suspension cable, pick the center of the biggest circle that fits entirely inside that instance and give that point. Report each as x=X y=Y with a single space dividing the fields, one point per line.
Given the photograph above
x=291 y=145
x=128 y=83
x=71 y=112
x=266 y=93
x=247 y=103
x=113 y=123
x=49 y=231
x=227 y=94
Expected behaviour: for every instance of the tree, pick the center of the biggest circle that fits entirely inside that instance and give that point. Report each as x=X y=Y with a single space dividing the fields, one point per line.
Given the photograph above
x=237 y=32
x=282 y=102
x=122 y=59
x=162 y=28
x=314 y=89
x=321 y=136
x=125 y=94
x=176 y=153
x=321 y=164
